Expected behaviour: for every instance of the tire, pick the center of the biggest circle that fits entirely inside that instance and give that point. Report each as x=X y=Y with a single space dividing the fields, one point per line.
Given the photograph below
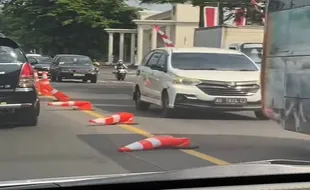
x=140 y=105
x=53 y=78
x=260 y=115
x=166 y=111
x=59 y=79
x=29 y=116
x=84 y=80
x=94 y=79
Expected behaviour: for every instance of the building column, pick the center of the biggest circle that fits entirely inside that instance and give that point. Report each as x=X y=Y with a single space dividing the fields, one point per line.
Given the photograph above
x=154 y=38
x=132 y=48
x=140 y=45
x=110 y=55
x=167 y=31
x=121 y=46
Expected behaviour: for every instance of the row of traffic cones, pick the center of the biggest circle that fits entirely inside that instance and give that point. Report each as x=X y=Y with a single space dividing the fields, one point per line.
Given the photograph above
x=45 y=89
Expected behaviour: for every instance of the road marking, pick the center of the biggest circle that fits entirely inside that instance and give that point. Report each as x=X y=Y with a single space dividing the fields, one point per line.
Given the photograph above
x=114 y=105
x=147 y=134
x=118 y=82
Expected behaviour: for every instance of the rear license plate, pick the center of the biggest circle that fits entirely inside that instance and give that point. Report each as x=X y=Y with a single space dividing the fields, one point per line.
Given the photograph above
x=230 y=101
x=79 y=75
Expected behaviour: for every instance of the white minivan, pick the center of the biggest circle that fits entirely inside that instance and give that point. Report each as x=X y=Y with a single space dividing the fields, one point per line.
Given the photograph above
x=207 y=78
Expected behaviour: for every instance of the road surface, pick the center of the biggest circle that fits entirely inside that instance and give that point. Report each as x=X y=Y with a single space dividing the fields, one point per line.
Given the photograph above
x=63 y=144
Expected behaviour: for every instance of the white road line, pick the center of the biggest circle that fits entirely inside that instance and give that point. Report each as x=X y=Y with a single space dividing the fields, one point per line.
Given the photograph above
x=118 y=82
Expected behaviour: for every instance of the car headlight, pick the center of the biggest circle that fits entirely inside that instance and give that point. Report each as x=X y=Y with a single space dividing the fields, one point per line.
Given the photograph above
x=94 y=69
x=185 y=81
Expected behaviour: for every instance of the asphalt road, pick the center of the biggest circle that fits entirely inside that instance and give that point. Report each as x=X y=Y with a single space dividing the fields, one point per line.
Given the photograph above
x=63 y=144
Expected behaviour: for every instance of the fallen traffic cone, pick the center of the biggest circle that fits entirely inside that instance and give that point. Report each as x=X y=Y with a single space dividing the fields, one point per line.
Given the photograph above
x=158 y=142
x=81 y=105
x=58 y=95
x=122 y=118
x=45 y=92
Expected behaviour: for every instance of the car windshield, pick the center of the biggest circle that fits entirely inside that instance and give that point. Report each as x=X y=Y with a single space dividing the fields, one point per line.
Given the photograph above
x=79 y=60
x=212 y=61
x=44 y=60
x=191 y=84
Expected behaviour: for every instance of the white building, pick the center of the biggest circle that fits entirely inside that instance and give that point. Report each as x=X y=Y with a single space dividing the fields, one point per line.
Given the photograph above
x=179 y=24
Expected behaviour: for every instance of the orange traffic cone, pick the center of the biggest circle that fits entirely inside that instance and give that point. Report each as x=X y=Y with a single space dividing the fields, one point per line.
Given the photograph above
x=123 y=117
x=37 y=84
x=81 y=105
x=58 y=95
x=158 y=142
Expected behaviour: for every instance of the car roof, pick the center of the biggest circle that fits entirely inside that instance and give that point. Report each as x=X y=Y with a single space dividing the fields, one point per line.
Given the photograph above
x=70 y=55
x=4 y=41
x=201 y=50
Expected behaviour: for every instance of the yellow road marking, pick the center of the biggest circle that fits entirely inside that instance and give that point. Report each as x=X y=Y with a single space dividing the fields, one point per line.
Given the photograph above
x=147 y=134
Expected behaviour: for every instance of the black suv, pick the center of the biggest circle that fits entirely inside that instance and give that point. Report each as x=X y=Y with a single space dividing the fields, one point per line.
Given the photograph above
x=18 y=95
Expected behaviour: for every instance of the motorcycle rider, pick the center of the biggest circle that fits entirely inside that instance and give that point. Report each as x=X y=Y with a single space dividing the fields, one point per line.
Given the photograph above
x=120 y=65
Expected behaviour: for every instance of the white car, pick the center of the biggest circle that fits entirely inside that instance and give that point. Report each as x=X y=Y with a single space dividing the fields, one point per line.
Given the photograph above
x=209 y=78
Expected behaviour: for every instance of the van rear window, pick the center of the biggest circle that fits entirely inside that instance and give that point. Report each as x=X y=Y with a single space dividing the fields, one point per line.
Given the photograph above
x=11 y=55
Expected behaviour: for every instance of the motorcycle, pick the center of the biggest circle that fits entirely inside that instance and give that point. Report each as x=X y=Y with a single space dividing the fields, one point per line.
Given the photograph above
x=120 y=73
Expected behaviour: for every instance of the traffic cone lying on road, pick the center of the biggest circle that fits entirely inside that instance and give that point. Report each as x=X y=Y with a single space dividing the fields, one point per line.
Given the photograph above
x=157 y=142
x=119 y=118
x=80 y=105
x=58 y=95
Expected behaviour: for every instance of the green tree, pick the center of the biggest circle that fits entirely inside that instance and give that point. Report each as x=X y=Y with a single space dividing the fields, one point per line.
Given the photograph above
x=65 y=26
x=230 y=4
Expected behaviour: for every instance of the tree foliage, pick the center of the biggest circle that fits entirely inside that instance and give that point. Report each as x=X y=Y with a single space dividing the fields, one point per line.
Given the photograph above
x=65 y=26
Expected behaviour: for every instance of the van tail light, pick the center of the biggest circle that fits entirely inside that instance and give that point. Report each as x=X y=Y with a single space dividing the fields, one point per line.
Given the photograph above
x=26 y=77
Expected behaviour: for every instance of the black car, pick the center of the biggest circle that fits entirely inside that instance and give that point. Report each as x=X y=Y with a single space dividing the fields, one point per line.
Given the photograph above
x=18 y=95
x=41 y=64
x=73 y=67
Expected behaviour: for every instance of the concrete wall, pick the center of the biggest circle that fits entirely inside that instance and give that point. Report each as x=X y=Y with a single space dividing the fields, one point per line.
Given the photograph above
x=224 y=36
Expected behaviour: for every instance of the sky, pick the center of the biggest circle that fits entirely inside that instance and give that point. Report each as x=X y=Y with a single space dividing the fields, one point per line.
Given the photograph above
x=155 y=7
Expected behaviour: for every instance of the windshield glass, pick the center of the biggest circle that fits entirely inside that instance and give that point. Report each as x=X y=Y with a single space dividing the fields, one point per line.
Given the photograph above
x=211 y=61
x=80 y=60
x=44 y=60
x=78 y=115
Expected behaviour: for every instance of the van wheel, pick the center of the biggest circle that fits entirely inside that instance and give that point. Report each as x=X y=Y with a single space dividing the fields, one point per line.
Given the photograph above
x=260 y=115
x=166 y=111
x=140 y=105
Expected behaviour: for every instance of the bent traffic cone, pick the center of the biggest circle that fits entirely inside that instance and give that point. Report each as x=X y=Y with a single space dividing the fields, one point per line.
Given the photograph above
x=58 y=95
x=122 y=118
x=158 y=142
x=81 y=105
x=45 y=92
